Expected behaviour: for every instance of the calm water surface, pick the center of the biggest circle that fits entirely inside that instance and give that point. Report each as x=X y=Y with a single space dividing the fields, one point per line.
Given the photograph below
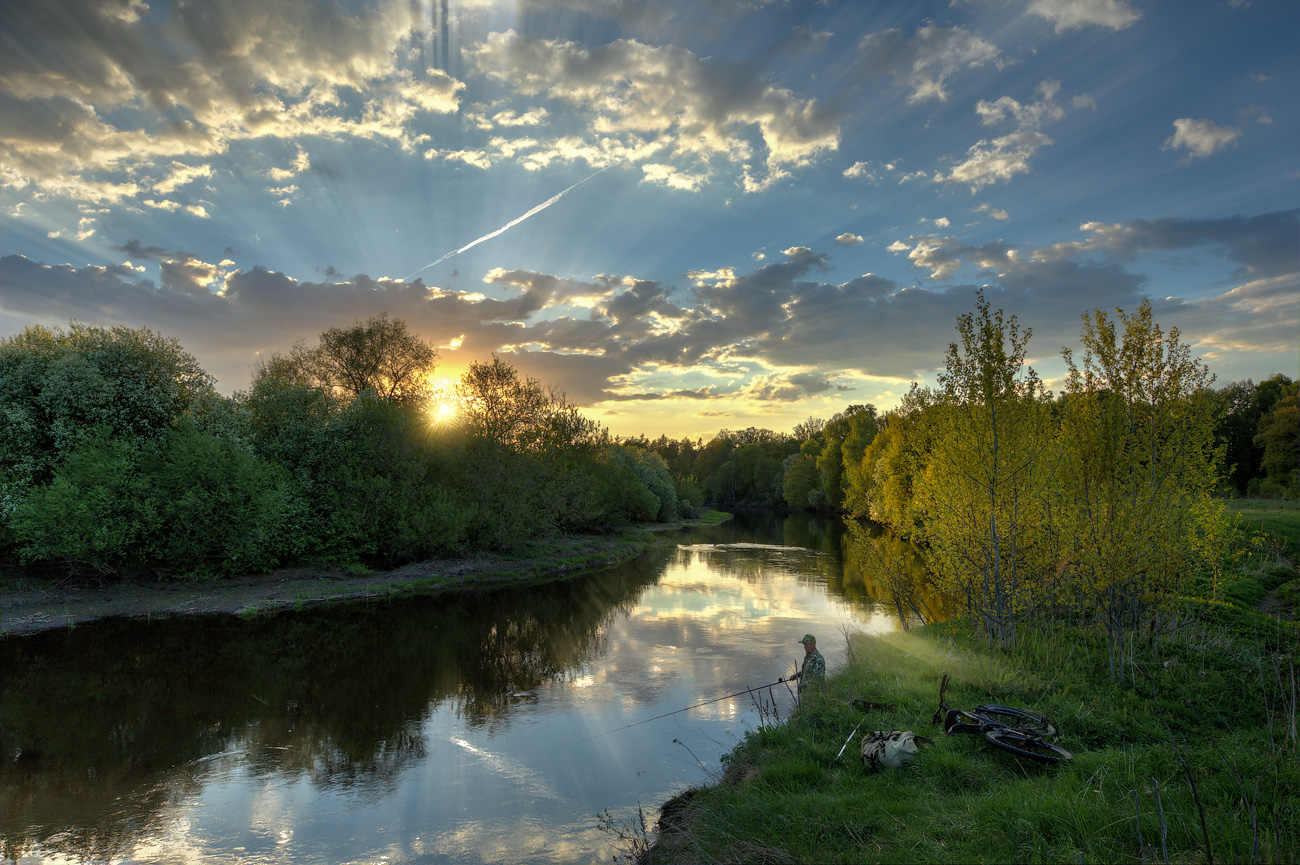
x=422 y=730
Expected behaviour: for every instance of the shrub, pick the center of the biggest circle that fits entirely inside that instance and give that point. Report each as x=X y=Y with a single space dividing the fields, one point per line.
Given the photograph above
x=192 y=503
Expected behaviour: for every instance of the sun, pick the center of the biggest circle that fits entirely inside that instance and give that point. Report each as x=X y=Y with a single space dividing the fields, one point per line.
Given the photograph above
x=442 y=402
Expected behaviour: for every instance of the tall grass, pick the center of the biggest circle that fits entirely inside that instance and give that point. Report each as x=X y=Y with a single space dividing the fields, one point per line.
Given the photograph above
x=1191 y=759
x=1278 y=519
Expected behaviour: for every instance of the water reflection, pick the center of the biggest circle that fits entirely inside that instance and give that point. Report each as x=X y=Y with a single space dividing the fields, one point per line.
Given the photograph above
x=485 y=728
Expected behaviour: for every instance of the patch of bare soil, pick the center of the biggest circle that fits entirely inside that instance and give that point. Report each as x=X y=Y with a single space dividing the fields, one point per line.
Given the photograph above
x=28 y=605
x=1270 y=605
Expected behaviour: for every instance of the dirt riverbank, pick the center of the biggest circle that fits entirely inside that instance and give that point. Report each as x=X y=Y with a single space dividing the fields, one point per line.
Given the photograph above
x=29 y=605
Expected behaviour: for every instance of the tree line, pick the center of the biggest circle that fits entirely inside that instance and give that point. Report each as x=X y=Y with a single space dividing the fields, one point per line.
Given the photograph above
x=1098 y=504
x=118 y=456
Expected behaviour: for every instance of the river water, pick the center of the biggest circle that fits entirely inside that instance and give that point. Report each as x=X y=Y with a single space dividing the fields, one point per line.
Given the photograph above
x=495 y=727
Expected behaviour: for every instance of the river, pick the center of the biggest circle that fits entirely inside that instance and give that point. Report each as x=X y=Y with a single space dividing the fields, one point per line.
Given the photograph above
x=494 y=727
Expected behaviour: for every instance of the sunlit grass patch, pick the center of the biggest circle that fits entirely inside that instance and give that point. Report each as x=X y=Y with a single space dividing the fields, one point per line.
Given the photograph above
x=1277 y=518
x=1215 y=704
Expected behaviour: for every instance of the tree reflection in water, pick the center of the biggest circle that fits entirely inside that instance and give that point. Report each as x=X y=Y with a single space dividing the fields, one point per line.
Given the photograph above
x=105 y=725
x=452 y=722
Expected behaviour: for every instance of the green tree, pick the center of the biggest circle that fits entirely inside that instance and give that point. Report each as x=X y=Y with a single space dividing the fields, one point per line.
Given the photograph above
x=1279 y=440
x=1244 y=405
x=496 y=405
x=983 y=494
x=379 y=354
x=61 y=387
x=188 y=502
x=893 y=464
x=800 y=482
x=1138 y=465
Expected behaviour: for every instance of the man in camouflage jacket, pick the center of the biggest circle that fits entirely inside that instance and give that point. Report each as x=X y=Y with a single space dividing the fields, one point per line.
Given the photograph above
x=814 y=665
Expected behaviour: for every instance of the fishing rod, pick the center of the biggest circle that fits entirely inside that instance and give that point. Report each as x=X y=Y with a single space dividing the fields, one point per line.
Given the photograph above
x=679 y=711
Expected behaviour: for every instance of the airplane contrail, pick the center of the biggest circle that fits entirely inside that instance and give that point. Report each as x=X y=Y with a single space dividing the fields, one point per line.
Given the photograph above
x=509 y=225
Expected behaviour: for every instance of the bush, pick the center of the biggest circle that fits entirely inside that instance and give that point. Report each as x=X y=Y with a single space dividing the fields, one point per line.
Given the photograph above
x=191 y=503
x=1289 y=593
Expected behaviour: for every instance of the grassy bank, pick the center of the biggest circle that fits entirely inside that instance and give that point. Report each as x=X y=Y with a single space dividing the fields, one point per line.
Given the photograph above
x=1278 y=519
x=1213 y=704
x=29 y=605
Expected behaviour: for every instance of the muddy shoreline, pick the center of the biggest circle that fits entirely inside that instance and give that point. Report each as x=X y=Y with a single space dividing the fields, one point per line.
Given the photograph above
x=28 y=606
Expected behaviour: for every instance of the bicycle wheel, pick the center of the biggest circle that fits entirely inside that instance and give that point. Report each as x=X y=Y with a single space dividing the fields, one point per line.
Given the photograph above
x=1027 y=746
x=1018 y=720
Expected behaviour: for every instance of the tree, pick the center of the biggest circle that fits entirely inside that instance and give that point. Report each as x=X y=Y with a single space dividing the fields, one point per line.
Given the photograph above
x=59 y=388
x=893 y=464
x=800 y=486
x=1138 y=466
x=378 y=355
x=809 y=428
x=1244 y=405
x=497 y=406
x=983 y=494
x=1279 y=440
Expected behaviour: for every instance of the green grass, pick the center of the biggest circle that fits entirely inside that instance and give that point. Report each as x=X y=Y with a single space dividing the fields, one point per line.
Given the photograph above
x=1217 y=695
x=1279 y=519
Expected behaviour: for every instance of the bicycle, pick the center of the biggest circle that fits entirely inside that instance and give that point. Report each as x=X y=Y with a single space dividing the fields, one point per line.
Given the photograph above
x=1013 y=730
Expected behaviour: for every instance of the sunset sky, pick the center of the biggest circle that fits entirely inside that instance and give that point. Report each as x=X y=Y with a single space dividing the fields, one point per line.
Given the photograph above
x=688 y=215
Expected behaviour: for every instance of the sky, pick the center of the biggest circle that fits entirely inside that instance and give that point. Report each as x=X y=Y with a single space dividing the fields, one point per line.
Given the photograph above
x=689 y=216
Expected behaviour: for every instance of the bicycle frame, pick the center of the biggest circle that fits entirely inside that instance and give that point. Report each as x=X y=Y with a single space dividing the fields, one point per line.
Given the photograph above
x=1024 y=739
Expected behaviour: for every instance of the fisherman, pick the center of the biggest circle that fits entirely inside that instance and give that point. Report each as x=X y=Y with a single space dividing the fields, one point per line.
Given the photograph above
x=814 y=665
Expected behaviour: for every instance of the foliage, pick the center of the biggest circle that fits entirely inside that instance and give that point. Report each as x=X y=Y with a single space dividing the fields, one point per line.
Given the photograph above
x=1244 y=405
x=496 y=405
x=59 y=388
x=1138 y=463
x=191 y=502
x=378 y=355
x=800 y=482
x=893 y=464
x=1279 y=439
x=983 y=494
x=743 y=467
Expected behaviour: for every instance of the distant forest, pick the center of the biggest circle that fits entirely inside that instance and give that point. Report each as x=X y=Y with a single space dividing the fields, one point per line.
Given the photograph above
x=118 y=457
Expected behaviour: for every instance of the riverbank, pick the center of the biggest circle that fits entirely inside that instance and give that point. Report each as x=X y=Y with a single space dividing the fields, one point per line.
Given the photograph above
x=1193 y=757
x=29 y=605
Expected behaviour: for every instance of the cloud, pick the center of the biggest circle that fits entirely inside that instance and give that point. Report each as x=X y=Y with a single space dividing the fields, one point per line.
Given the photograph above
x=778 y=332
x=924 y=62
x=784 y=387
x=1263 y=245
x=1200 y=138
x=121 y=92
x=849 y=239
x=1002 y=158
x=301 y=162
x=1070 y=15
x=136 y=249
x=180 y=175
x=636 y=100
x=993 y=212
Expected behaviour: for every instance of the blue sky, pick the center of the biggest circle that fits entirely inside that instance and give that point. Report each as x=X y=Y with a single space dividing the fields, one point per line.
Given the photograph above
x=743 y=212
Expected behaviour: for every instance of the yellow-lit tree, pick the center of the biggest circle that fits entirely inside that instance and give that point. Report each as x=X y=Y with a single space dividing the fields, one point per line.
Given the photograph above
x=983 y=494
x=1138 y=464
